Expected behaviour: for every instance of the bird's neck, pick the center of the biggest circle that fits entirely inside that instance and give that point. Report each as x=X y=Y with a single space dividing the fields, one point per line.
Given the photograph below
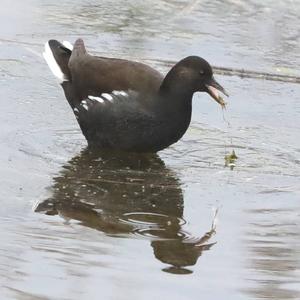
x=177 y=103
x=177 y=97
x=175 y=86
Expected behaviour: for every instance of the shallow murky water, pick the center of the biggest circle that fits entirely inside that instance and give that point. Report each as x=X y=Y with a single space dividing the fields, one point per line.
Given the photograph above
x=176 y=225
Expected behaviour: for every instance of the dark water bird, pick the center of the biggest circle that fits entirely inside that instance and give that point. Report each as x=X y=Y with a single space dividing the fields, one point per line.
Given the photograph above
x=126 y=105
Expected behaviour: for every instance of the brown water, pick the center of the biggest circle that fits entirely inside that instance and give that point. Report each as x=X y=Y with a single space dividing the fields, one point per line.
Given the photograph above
x=78 y=226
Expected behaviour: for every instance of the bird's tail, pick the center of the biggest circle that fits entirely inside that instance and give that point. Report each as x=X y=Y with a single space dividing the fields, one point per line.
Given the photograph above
x=57 y=56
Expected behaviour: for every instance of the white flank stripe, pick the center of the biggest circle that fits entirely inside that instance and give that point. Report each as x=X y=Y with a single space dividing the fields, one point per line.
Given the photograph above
x=120 y=93
x=84 y=105
x=68 y=45
x=99 y=99
x=107 y=97
x=54 y=67
x=76 y=110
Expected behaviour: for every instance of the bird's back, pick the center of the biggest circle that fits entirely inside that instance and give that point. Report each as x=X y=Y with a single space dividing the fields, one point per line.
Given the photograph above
x=93 y=74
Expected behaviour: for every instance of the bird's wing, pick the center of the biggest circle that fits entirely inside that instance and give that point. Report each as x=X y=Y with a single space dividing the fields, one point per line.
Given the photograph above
x=119 y=117
x=111 y=107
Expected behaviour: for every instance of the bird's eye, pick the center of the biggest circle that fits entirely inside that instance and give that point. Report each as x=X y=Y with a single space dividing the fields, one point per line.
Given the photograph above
x=201 y=72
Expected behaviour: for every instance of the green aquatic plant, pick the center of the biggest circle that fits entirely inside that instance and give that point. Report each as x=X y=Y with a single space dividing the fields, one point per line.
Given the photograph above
x=230 y=159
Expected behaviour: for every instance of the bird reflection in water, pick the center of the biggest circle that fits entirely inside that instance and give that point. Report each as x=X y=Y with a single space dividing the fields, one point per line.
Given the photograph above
x=124 y=194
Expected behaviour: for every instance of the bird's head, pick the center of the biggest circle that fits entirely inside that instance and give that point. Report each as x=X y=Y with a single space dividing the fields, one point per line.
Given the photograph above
x=194 y=74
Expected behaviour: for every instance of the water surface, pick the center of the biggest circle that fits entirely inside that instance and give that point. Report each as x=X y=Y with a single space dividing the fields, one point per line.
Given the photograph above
x=75 y=225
